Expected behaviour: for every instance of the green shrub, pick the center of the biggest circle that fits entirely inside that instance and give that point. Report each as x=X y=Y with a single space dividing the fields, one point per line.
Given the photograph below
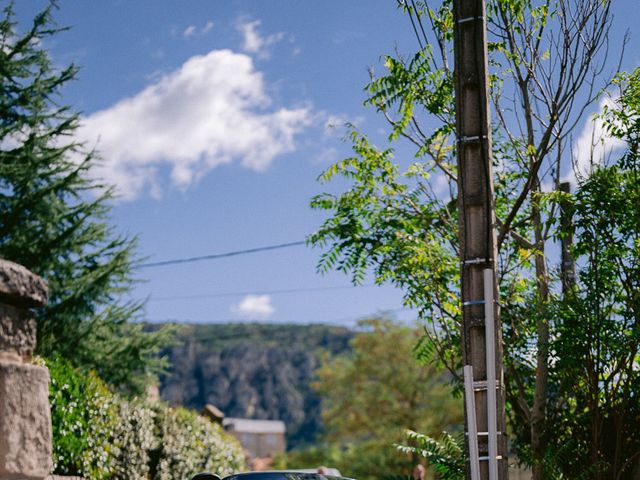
x=191 y=443
x=133 y=438
x=82 y=416
x=100 y=435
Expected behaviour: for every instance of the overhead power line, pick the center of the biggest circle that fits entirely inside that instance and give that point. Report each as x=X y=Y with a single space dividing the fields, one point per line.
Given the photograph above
x=216 y=256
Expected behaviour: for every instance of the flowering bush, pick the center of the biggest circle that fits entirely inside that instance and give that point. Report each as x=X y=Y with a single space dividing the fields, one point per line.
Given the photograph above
x=82 y=415
x=133 y=438
x=100 y=435
x=190 y=443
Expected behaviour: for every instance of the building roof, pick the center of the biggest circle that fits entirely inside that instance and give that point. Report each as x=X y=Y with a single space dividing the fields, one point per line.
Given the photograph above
x=212 y=412
x=245 y=425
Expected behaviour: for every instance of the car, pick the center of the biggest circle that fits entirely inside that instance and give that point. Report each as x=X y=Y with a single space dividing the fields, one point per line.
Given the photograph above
x=274 y=475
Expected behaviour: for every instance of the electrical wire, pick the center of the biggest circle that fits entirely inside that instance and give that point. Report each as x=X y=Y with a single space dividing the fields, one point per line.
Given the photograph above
x=415 y=29
x=424 y=34
x=216 y=256
x=411 y=10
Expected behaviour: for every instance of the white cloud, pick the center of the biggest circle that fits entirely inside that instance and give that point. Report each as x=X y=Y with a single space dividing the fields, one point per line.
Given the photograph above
x=11 y=141
x=593 y=145
x=192 y=30
x=254 y=307
x=253 y=41
x=189 y=31
x=208 y=26
x=211 y=111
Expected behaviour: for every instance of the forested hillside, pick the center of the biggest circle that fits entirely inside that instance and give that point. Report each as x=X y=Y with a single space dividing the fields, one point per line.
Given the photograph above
x=258 y=371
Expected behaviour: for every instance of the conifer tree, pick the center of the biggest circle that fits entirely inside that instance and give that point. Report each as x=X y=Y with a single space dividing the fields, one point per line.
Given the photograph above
x=55 y=216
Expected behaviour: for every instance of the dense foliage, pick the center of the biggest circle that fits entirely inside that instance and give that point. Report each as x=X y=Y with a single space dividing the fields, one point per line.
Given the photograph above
x=596 y=343
x=370 y=396
x=55 y=217
x=101 y=435
x=82 y=415
x=398 y=219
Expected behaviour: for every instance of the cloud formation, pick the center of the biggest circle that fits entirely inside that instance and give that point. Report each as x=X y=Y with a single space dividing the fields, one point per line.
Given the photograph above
x=593 y=146
x=192 y=30
x=253 y=41
x=211 y=111
x=189 y=31
x=254 y=307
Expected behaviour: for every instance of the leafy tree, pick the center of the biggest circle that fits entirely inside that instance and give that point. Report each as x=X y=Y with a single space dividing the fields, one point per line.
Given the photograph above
x=595 y=372
x=54 y=216
x=371 y=397
x=399 y=221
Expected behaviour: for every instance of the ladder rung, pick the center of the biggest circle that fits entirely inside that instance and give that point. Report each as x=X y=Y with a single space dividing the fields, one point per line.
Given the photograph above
x=476 y=261
x=469 y=19
x=480 y=385
x=473 y=302
x=471 y=138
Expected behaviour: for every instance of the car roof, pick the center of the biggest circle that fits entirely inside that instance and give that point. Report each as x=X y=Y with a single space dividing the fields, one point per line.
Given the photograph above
x=285 y=474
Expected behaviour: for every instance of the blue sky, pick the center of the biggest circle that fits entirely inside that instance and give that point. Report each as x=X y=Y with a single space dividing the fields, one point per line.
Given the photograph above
x=214 y=118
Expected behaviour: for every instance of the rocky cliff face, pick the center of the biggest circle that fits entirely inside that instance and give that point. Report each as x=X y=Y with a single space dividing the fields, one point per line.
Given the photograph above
x=254 y=371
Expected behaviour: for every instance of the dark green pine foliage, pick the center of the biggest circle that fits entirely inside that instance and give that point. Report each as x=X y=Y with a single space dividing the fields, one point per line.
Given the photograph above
x=54 y=217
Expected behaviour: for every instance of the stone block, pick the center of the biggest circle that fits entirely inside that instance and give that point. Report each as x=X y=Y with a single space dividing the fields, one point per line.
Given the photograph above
x=21 y=288
x=17 y=331
x=25 y=422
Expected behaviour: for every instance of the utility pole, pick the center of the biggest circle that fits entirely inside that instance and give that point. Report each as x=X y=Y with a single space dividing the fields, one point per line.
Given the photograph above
x=567 y=267
x=482 y=343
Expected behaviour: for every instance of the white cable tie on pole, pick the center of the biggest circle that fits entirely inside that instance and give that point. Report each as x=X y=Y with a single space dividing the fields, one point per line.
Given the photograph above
x=472 y=426
x=492 y=405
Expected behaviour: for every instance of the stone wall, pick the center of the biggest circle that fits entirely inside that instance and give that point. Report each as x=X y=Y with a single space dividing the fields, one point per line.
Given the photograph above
x=25 y=418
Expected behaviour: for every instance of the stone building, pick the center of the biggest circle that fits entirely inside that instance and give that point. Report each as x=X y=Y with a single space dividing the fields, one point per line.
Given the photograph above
x=261 y=438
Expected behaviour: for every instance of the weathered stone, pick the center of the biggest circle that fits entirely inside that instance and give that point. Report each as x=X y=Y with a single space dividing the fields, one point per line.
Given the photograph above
x=17 y=331
x=21 y=288
x=25 y=422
